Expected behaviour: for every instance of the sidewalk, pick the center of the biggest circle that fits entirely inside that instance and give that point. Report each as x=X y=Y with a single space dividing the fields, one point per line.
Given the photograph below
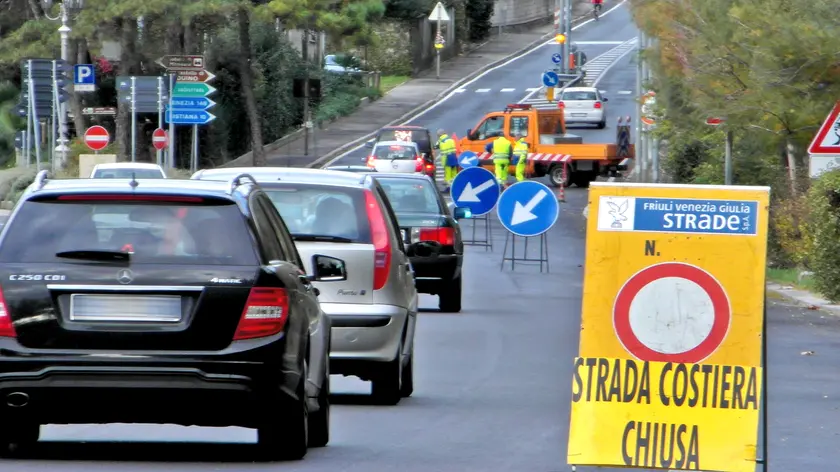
x=405 y=100
x=802 y=297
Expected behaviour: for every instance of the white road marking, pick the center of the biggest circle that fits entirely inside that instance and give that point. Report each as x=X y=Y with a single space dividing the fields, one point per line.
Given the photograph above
x=534 y=89
x=482 y=90
x=594 y=43
x=362 y=140
x=460 y=90
x=508 y=90
x=627 y=51
x=625 y=92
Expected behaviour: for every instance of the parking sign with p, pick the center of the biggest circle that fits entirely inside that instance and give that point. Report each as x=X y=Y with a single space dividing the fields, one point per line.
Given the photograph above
x=84 y=78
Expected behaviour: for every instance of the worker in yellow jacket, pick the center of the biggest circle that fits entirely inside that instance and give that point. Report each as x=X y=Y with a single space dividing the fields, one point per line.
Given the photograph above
x=448 y=156
x=502 y=150
x=520 y=155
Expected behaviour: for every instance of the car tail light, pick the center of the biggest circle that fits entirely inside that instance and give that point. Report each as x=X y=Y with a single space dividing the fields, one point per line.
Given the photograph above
x=597 y=105
x=140 y=198
x=371 y=161
x=381 y=241
x=561 y=105
x=265 y=313
x=445 y=236
x=430 y=167
x=418 y=167
x=7 y=329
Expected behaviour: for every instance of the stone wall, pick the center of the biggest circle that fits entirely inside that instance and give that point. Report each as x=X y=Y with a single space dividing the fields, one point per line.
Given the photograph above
x=518 y=12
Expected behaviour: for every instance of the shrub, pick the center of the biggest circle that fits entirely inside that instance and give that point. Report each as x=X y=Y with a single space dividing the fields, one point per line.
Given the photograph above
x=789 y=241
x=824 y=230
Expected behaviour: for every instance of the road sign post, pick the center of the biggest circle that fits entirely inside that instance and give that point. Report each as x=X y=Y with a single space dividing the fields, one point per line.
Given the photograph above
x=189 y=103
x=476 y=189
x=97 y=138
x=438 y=15
x=550 y=79
x=142 y=94
x=84 y=78
x=159 y=139
x=42 y=96
x=665 y=314
x=527 y=209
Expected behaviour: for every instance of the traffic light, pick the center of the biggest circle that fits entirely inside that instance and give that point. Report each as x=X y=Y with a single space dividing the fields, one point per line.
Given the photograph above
x=560 y=38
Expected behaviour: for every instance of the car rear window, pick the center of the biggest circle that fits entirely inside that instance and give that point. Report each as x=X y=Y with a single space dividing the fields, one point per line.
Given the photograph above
x=320 y=210
x=391 y=151
x=155 y=233
x=410 y=195
x=127 y=174
x=578 y=95
x=421 y=137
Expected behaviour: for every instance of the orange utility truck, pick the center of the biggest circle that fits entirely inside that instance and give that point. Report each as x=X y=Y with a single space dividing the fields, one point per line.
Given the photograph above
x=563 y=157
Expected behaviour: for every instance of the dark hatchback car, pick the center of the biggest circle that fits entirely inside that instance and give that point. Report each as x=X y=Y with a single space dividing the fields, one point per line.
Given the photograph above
x=432 y=234
x=415 y=134
x=160 y=301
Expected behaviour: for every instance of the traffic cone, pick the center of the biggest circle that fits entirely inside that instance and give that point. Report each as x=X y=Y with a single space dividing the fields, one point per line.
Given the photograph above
x=561 y=189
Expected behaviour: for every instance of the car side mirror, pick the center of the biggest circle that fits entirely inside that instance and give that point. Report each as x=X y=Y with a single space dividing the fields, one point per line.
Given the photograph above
x=470 y=135
x=327 y=269
x=369 y=144
x=460 y=213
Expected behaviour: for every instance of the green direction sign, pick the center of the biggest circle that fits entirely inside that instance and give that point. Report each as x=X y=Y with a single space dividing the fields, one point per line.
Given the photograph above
x=192 y=90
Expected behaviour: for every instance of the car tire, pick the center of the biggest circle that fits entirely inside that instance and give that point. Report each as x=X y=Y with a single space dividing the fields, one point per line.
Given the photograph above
x=555 y=176
x=16 y=438
x=287 y=436
x=319 y=421
x=407 y=387
x=386 y=386
x=602 y=124
x=450 y=297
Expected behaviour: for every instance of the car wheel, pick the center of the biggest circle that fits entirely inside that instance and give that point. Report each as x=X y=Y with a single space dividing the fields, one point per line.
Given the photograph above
x=287 y=436
x=555 y=176
x=319 y=421
x=582 y=179
x=450 y=297
x=602 y=124
x=16 y=438
x=407 y=387
x=386 y=386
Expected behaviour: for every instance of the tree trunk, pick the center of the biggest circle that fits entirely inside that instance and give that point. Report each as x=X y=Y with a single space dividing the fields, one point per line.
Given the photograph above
x=78 y=53
x=128 y=66
x=247 y=83
x=174 y=36
x=790 y=152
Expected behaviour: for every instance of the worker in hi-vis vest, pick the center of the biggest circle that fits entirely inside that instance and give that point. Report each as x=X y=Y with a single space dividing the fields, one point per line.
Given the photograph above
x=520 y=155
x=448 y=156
x=501 y=158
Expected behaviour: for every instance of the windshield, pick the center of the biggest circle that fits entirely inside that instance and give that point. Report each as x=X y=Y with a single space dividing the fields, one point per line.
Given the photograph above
x=159 y=233
x=398 y=151
x=578 y=95
x=317 y=210
x=126 y=174
x=410 y=195
x=421 y=137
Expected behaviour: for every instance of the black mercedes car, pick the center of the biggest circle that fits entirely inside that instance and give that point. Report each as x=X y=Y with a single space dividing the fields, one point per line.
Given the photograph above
x=431 y=233
x=160 y=301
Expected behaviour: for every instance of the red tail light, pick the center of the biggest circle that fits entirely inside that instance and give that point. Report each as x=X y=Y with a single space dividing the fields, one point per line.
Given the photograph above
x=140 y=198
x=561 y=105
x=429 y=167
x=381 y=241
x=597 y=105
x=7 y=329
x=445 y=236
x=418 y=166
x=265 y=313
x=371 y=161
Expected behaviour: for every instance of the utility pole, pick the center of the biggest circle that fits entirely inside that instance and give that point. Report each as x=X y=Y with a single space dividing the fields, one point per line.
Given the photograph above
x=640 y=131
x=64 y=32
x=566 y=28
x=727 y=159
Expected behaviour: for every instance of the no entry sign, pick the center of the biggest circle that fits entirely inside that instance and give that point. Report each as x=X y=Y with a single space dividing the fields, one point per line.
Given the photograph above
x=97 y=138
x=160 y=139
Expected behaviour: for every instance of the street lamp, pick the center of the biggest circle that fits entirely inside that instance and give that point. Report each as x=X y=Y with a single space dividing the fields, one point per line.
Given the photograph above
x=64 y=32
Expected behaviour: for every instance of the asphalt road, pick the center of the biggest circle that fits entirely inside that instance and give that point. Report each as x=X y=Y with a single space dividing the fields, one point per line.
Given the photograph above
x=515 y=81
x=492 y=383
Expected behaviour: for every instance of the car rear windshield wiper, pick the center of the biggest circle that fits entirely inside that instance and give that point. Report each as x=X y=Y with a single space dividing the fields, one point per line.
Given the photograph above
x=95 y=255
x=320 y=237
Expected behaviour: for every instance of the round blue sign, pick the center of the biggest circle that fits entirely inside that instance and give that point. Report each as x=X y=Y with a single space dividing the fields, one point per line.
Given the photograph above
x=468 y=159
x=475 y=188
x=528 y=208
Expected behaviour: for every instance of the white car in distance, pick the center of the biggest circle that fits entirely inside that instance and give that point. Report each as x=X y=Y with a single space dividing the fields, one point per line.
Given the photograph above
x=127 y=170
x=584 y=105
x=398 y=157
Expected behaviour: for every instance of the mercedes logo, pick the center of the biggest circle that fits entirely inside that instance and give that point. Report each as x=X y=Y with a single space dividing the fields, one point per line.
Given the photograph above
x=125 y=276
x=396 y=166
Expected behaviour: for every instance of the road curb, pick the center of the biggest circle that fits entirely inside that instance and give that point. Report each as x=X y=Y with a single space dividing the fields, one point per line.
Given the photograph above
x=353 y=144
x=803 y=298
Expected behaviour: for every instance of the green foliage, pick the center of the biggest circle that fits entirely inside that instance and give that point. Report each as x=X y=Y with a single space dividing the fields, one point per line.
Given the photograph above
x=824 y=227
x=9 y=121
x=392 y=53
x=342 y=96
x=408 y=10
x=478 y=14
x=35 y=38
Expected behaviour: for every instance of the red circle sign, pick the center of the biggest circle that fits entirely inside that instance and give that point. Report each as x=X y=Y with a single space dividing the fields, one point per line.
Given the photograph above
x=714 y=121
x=671 y=276
x=160 y=139
x=97 y=138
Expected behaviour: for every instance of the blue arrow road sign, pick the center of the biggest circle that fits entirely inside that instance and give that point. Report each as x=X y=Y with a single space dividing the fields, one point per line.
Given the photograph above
x=199 y=103
x=550 y=79
x=557 y=58
x=185 y=116
x=477 y=189
x=468 y=159
x=528 y=208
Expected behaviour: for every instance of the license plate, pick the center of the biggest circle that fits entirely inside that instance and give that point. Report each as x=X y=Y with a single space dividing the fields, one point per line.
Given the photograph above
x=578 y=114
x=125 y=308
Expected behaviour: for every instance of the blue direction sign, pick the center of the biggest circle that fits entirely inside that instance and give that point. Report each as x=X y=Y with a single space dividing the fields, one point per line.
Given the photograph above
x=200 y=103
x=468 y=159
x=550 y=78
x=557 y=58
x=186 y=116
x=527 y=208
x=477 y=189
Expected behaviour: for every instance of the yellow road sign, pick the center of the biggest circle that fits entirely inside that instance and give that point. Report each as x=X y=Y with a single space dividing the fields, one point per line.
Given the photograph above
x=673 y=285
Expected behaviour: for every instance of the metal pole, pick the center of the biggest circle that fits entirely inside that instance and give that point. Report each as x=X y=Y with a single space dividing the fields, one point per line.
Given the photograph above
x=727 y=160
x=133 y=119
x=654 y=161
x=159 y=153
x=171 y=154
x=54 y=118
x=564 y=48
x=64 y=31
x=437 y=50
x=568 y=32
x=306 y=114
x=36 y=123
x=194 y=166
x=640 y=131
x=30 y=109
